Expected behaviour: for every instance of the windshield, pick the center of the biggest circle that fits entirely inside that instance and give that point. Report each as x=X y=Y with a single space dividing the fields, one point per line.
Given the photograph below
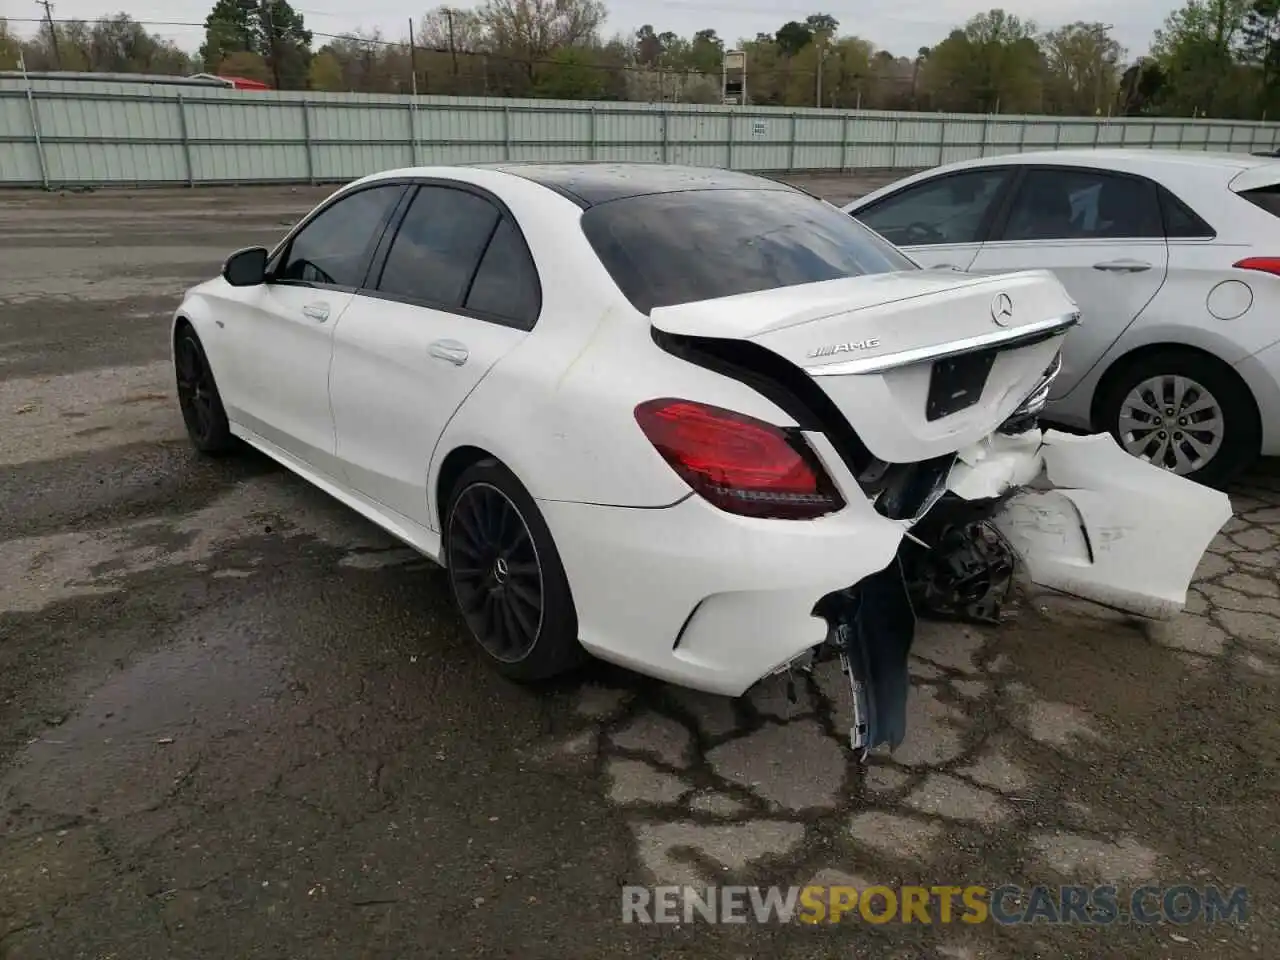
x=670 y=248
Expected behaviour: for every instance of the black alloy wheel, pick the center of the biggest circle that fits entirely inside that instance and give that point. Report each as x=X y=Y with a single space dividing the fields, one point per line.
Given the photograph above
x=198 y=397
x=506 y=575
x=496 y=574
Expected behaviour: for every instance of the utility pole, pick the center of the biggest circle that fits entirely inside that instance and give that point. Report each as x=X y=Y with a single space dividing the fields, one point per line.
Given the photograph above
x=822 y=56
x=53 y=34
x=271 y=40
x=413 y=57
x=453 y=51
x=1102 y=66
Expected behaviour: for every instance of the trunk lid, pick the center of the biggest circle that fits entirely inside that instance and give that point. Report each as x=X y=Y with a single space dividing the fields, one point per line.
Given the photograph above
x=919 y=363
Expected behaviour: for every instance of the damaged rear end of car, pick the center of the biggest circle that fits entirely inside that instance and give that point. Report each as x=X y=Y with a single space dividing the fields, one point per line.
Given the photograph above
x=926 y=388
x=912 y=397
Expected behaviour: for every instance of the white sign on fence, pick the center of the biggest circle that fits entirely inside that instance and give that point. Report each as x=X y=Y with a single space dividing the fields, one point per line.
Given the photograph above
x=759 y=128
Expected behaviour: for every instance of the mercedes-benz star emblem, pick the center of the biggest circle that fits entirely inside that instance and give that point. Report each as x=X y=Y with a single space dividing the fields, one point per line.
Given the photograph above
x=1002 y=309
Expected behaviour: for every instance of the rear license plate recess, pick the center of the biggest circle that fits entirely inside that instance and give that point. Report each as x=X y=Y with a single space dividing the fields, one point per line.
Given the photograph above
x=956 y=383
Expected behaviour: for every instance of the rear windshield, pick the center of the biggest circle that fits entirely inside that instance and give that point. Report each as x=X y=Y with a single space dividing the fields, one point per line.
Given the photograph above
x=1268 y=198
x=669 y=248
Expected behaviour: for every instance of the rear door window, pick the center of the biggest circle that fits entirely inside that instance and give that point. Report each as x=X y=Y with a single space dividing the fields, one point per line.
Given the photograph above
x=437 y=249
x=954 y=208
x=1268 y=198
x=1180 y=221
x=1075 y=204
x=668 y=248
x=506 y=285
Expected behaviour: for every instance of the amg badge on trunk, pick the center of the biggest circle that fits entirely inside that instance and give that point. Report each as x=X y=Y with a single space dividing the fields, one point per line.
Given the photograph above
x=847 y=347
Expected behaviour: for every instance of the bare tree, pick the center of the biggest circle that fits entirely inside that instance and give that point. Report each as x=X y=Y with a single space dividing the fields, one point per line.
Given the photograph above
x=530 y=30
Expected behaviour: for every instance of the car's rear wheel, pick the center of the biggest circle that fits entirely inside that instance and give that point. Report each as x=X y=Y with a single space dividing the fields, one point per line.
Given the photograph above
x=1184 y=412
x=506 y=576
x=198 y=396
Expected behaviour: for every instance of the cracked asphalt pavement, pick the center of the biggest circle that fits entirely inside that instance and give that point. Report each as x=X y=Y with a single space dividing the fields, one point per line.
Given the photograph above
x=238 y=721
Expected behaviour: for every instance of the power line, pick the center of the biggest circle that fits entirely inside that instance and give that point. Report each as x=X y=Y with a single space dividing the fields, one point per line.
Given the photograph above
x=53 y=34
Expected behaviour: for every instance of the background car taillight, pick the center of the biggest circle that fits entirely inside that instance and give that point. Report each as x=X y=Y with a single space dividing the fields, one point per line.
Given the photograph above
x=740 y=464
x=1269 y=265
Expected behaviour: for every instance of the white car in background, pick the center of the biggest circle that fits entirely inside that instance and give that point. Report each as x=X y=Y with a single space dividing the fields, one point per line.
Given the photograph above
x=680 y=419
x=1174 y=260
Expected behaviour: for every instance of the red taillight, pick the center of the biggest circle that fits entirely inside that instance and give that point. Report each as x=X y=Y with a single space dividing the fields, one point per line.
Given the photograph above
x=740 y=464
x=1269 y=265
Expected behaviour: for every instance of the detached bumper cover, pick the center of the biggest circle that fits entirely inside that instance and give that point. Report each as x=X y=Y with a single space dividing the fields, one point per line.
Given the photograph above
x=1096 y=523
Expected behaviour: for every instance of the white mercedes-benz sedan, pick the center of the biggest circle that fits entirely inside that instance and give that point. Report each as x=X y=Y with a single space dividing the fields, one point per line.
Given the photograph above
x=1174 y=259
x=694 y=422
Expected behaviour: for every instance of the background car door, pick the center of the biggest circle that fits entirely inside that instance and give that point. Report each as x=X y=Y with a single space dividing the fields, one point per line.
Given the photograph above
x=456 y=290
x=1101 y=234
x=281 y=334
x=940 y=222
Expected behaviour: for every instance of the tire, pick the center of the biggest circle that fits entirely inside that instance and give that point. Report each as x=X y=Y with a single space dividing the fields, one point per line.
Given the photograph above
x=198 y=397
x=1187 y=381
x=500 y=557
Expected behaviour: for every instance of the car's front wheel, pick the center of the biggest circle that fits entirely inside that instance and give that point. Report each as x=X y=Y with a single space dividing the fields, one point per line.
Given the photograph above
x=1185 y=412
x=198 y=396
x=506 y=575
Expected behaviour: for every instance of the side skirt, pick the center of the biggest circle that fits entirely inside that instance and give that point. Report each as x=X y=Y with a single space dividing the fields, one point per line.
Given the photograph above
x=402 y=528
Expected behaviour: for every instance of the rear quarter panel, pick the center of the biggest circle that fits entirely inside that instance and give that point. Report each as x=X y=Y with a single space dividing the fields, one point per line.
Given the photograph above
x=559 y=409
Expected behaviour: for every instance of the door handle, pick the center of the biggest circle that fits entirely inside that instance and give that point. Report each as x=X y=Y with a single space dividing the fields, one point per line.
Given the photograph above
x=1123 y=266
x=316 y=311
x=451 y=350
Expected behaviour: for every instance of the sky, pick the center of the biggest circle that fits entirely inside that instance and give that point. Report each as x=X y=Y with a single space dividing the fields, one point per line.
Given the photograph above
x=900 y=26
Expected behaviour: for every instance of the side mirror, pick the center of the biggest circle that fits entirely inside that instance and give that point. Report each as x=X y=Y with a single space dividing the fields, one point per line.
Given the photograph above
x=246 y=268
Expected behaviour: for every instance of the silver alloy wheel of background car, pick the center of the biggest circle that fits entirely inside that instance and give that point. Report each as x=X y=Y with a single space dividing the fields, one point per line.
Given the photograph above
x=1173 y=422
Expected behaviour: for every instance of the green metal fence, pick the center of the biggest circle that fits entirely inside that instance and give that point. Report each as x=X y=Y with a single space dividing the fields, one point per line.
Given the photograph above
x=56 y=133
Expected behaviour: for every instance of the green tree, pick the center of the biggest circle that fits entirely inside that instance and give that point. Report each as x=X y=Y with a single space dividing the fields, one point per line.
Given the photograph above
x=650 y=45
x=922 y=55
x=572 y=74
x=244 y=63
x=1140 y=88
x=706 y=52
x=1260 y=50
x=228 y=29
x=71 y=52
x=992 y=64
x=792 y=37
x=531 y=30
x=325 y=72
x=272 y=29
x=120 y=44
x=1083 y=68
x=1196 y=50
x=822 y=24
x=10 y=47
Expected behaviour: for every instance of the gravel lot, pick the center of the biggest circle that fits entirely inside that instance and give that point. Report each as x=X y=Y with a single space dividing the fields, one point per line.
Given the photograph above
x=238 y=721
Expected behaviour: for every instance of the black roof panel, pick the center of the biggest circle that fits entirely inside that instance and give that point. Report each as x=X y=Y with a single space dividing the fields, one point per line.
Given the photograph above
x=588 y=184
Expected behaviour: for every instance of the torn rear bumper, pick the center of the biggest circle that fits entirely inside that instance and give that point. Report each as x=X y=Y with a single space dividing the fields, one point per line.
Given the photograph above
x=1093 y=521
